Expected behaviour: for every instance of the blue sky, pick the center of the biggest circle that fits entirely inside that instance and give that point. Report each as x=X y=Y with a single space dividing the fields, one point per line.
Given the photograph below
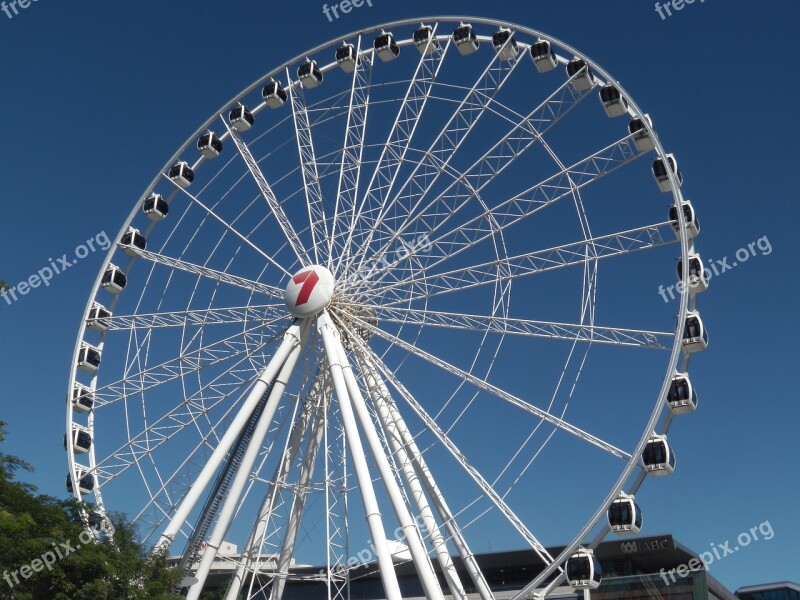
x=95 y=98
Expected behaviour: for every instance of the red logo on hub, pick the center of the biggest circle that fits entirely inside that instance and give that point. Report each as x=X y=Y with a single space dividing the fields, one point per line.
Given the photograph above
x=309 y=279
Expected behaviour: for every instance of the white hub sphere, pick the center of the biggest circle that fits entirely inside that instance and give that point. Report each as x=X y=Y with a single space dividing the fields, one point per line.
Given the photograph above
x=309 y=291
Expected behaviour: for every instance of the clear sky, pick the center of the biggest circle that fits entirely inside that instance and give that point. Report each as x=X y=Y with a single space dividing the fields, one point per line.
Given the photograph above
x=94 y=97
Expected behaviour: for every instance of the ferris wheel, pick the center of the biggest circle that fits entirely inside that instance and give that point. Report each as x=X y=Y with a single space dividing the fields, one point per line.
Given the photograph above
x=401 y=299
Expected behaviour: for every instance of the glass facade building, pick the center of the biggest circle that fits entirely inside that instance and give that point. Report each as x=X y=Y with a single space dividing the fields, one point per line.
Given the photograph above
x=784 y=590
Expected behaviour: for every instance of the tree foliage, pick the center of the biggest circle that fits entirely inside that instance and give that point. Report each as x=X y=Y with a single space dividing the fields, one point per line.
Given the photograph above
x=47 y=554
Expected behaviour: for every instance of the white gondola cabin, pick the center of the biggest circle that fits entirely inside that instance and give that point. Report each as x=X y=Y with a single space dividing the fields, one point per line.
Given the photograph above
x=346 y=58
x=209 y=145
x=689 y=215
x=425 y=41
x=114 y=279
x=274 y=94
x=638 y=127
x=79 y=439
x=309 y=74
x=658 y=457
x=624 y=516
x=386 y=47
x=581 y=74
x=698 y=276
x=86 y=481
x=682 y=397
x=98 y=318
x=583 y=570
x=241 y=119
x=131 y=241
x=661 y=175
x=82 y=399
x=465 y=39
x=695 y=335
x=614 y=102
x=181 y=174
x=543 y=56
x=505 y=44
x=88 y=358
x=155 y=207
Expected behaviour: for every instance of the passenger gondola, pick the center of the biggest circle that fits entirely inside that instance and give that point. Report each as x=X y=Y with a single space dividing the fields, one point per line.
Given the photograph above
x=386 y=47
x=689 y=215
x=80 y=440
x=86 y=481
x=624 y=516
x=155 y=207
x=505 y=44
x=425 y=41
x=614 y=102
x=274 y=94
x=98 y=318
x=698 y=276
x=581 y=74
x=641 y=137
x=131 y=241
x=114 y=279
x=309 y=74
x=543 y=56
x=181 y=174
x=583 y=570
x=658 y=457
x=241 y=119
x=82 y=399
x=682 y=397
x=88 y=358
x=346 y=57
x=209 y=145
x=695 y=335
x=661 y=175
x=465 y=39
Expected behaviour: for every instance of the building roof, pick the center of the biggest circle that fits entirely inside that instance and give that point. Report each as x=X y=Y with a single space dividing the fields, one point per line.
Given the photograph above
x=766 y=587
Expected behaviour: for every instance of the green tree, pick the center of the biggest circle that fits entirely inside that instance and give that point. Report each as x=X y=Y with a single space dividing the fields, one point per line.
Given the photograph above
x=47 y=554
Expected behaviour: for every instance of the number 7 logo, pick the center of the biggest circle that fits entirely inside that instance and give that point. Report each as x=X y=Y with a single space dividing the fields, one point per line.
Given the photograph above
x=309 y=279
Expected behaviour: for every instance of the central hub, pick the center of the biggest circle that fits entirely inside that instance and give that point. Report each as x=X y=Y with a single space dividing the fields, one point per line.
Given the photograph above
x=309 y=291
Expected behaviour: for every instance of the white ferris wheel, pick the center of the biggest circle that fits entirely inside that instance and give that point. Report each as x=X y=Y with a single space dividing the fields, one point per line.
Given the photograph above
x=401 y=299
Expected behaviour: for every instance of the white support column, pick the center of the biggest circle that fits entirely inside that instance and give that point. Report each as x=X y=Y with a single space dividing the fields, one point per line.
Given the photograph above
x=245 y=468
x=380 y=395
x=299 y=502
x=252 y=550
x=373 y=515
x=445 y=514
x=291 y=340
x=419 y=554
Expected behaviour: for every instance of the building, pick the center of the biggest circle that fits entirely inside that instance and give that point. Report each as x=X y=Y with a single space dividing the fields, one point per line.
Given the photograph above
x=784 y=590
x=633 y=569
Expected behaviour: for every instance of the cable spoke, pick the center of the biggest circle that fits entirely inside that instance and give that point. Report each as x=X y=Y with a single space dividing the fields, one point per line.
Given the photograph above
x=521 y=206
x=447 y=142
x=352 y=150
x=495 y=391
x=269 y=196
x=530 y=263
x=656 y=340
x=230 y=228
x=212 y=316
x=308 y=166
x=246 y=342
x=396 y=148
x=208 y=273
